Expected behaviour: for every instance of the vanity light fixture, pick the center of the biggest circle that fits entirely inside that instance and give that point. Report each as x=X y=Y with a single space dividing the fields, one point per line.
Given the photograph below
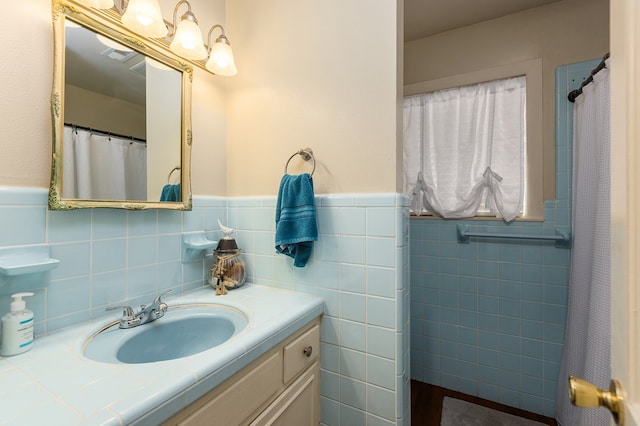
x=221 y=60
x=187 y=38
x=144 y=17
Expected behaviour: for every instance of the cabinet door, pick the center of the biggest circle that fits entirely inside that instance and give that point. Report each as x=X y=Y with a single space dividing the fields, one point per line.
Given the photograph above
x=298 y=405
x=231 y=406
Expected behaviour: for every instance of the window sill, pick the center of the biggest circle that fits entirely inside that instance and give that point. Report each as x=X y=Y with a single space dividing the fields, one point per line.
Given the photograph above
x=481 y=218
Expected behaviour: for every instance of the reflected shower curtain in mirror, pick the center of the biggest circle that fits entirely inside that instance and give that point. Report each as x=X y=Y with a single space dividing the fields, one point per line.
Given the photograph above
x=587 y=345
x=102 y=167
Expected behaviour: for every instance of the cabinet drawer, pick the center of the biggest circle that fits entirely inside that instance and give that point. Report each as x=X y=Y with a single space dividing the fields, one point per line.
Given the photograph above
x=301 y=352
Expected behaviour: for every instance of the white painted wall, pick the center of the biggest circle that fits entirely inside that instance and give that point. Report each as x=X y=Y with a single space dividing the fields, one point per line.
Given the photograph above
x=317 y=74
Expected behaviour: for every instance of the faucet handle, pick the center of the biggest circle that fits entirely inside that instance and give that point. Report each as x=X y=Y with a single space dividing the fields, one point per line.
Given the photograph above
x=127 y=310
x=158 y=300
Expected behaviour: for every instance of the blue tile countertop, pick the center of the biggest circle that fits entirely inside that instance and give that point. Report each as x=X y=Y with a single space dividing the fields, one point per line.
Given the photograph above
x=55 y=384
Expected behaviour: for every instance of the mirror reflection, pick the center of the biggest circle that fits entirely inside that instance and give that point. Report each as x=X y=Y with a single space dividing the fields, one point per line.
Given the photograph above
x=122 y=133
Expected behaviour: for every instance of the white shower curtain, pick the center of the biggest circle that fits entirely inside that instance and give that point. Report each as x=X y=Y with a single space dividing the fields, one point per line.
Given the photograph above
x=586 y=348
x=100 y=167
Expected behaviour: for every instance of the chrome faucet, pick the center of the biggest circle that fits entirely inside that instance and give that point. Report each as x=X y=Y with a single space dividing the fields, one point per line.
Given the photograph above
x=146 y=314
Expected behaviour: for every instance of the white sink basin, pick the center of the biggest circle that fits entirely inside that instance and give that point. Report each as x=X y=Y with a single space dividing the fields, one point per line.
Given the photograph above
x=183 y=331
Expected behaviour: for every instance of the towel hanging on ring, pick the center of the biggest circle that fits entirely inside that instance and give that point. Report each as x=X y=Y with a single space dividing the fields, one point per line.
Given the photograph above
x=296 y=226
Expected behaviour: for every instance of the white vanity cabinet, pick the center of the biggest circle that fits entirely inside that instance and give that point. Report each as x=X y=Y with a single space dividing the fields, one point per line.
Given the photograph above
x=282 y=387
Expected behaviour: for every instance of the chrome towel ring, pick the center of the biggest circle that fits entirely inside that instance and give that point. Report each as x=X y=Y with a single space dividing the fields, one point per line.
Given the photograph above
x=306 y=154
x=176 y=168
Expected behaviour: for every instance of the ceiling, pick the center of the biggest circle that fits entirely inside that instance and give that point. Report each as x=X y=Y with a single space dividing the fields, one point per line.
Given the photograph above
x=423 y=18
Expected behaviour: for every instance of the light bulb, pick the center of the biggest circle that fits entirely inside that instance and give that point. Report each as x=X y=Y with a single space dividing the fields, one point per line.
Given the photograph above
x=188 y=39
x=144 y=17
x=221 y=60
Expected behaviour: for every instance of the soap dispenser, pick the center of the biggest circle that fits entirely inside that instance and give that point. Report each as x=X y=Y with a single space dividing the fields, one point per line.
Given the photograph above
x=228 y=269
x=17 y=327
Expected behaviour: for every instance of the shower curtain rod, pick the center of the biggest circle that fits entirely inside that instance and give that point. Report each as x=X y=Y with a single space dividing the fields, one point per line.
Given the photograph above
x=575 y=93
x=103 y=133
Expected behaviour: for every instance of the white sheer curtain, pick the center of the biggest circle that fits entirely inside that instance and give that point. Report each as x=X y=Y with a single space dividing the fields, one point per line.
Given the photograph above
x=465 y=147
x=586 y=346
x=103 y=167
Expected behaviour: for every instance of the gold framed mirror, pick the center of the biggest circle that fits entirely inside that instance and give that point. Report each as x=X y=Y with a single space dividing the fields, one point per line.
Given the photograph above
x=121 y=110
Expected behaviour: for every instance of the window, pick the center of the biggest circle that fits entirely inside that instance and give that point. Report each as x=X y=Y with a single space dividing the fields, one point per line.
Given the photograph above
x=464 y=149
x=473 y=145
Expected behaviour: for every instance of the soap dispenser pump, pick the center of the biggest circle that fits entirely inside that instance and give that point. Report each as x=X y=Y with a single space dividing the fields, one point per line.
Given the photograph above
x=17 y=327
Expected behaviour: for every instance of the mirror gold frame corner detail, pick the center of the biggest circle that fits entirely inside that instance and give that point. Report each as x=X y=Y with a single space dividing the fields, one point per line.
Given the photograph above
x=106 y=24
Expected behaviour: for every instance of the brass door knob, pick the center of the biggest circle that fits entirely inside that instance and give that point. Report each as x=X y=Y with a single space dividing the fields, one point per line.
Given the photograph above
x=585 y=394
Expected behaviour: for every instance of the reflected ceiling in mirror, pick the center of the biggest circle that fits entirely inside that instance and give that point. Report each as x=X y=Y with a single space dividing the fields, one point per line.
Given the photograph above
x=121 y=108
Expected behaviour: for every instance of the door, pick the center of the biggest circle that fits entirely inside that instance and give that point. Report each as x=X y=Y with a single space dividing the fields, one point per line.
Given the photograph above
x=625 y=200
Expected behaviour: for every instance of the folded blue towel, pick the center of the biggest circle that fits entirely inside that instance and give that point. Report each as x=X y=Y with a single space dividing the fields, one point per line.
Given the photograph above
x=170 y=192
x=296 y=226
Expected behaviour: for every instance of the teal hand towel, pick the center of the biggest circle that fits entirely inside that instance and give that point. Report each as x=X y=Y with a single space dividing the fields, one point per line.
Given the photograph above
x=296 y=226
x=170 y=192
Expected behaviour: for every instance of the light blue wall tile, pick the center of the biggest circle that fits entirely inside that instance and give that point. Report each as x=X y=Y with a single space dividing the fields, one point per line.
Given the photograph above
x=329 y=384
x=169 y=222
x=109 y=223
x=381 y=311
x=22 y=225
x=353 y=249
x=353 y=278
x=144 y=222
x=66 y=226
x=381 y=372
x=381 y=222
x=352 y=221
x=381 y=252
x=353 y=335
x=20 y=196
x=141 y=281
x=351 y=416
x=142 y=251
x=68 y=320
x=74 y=260
x=169 y=275
x=109 y=255
x=353 y=364
x=169 y=248
x=353 y=393
x=381 y=401
x=329 y=410
x=353 y=307
x=380 y=341
x=194 y=220
x=68 y=296
x=380 y=281
x=378 y=200
x=108 y=288
x=332 y=303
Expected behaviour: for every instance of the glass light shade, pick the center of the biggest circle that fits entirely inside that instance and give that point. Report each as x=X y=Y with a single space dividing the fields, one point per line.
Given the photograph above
x=144 y=17
x=188 y=41
x=221 y=60
x=98 y=4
